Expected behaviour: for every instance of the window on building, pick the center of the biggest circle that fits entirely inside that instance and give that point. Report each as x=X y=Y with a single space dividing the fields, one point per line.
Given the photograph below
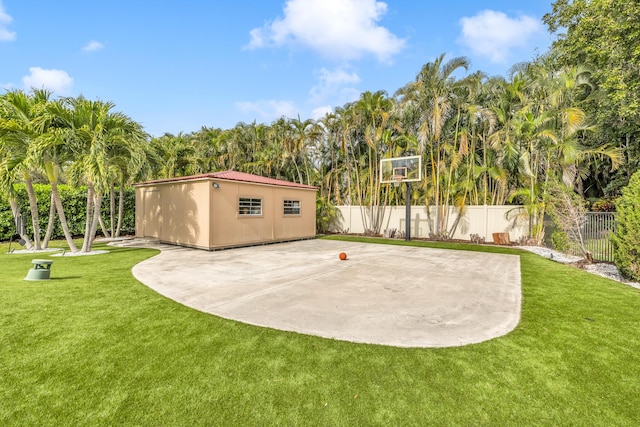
x=292 y=207
x=249 y=207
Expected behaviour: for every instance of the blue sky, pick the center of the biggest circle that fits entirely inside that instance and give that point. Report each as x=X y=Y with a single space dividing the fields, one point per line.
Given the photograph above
x=177 y=66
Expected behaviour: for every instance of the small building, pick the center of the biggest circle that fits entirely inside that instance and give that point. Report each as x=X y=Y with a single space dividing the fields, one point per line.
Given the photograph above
x=224 y=209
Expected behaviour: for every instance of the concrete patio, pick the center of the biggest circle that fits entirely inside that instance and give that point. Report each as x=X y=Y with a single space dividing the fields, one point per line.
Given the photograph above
x=382 y=294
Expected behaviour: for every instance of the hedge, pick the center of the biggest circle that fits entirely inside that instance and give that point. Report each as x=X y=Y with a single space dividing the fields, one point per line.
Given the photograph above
x=74 y=200
x=626 y=240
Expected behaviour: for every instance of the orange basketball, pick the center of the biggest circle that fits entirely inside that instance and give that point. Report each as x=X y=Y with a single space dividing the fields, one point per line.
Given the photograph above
x=343 y=256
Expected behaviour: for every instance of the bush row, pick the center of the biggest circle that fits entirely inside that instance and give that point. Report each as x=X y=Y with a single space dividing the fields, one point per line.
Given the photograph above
x=74 y=200
x=627 y=237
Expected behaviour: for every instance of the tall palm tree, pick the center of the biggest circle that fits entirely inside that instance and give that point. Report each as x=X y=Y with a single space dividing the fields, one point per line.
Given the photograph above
x=126 y=159
x=304 y=135
x=97 y=131
x=54 y=152
x=8 y=180
x=178 y=155
x=373 y=116
x=19 y=136
x=431 y=96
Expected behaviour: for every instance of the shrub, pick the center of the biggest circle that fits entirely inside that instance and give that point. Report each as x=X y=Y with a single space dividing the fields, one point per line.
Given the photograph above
x=626 y=239
x=603 y=205
x=74 y=200
x=326 y=215
x=560 y=241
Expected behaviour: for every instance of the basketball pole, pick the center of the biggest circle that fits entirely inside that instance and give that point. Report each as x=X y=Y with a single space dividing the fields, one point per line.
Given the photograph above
x=407 y=214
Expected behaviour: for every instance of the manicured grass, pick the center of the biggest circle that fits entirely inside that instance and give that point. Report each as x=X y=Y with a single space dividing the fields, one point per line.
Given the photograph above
x=93 y=346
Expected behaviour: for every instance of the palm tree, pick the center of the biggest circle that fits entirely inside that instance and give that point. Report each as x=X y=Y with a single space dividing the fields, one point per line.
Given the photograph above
x=342 y=170
x=304 y=135
x=19 y=136
x=54 y=151
x=540 y=130
x=373 y=125
x=126 y=159
x=96 y=132
x=431 y=96
x=178 y=156
x=8 y=180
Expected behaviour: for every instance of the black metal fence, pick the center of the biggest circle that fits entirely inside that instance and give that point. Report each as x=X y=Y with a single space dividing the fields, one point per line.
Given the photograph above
x=596 y=232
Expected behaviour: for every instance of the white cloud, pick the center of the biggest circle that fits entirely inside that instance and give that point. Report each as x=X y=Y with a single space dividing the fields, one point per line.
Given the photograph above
x=92 y=45
x=269 y=110
x=338 y=76
x=320 y=112
x=5 y=19
x=57 y=81
x=335 y=84
x=494 y=34
x=340 y=29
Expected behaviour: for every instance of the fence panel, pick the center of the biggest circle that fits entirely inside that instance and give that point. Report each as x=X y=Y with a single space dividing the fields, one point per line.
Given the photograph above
x=482 y=221
x=596 y=232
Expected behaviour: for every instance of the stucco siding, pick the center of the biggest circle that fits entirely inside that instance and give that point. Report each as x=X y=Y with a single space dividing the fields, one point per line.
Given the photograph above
x=204 y=212
x=185 y=213
x=148 y=212
x=287 y=226
x=230 y=228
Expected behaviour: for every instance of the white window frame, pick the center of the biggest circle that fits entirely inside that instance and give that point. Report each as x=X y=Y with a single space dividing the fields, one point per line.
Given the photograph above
x=249 y=206
x=290 y=206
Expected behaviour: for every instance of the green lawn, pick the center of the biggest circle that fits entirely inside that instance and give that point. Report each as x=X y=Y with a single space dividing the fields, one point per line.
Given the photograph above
x=93 y=346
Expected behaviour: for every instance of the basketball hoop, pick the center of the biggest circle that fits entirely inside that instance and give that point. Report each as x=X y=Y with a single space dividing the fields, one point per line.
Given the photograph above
x=396 y=170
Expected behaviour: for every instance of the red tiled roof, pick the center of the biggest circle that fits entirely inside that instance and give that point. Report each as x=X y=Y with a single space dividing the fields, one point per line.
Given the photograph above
x=233 y=176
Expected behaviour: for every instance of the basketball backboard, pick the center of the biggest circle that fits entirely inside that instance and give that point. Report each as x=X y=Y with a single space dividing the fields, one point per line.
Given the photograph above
x=401 y=169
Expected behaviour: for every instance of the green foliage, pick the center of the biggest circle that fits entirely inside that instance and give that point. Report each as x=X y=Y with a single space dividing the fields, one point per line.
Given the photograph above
x=605 y=35
x=326 y=215
x=7 y=225
x=74 y=200
x=560 y=241
x=627 y=236
x=603 y=205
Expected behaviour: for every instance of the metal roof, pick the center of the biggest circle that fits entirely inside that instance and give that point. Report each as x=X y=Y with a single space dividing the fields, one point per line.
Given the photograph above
x=231 y=176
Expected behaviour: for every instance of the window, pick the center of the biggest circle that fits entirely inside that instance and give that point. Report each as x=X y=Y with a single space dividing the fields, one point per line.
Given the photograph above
x=292 y=207
x=249 y=207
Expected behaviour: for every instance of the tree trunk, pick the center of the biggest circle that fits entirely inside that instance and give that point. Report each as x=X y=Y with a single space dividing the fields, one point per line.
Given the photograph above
x=86 y=243
x=120 y=209
x=96 y=216
x=33 y=205
x=52 y=214
x=105 y=230
x=19 y=223
x=63 y=219
x=112 y=210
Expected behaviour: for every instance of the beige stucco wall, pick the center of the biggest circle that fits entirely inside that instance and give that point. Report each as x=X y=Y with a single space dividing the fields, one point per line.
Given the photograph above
x=174 y=212
x=148 y=215
x=228 y=228
x=197 y=214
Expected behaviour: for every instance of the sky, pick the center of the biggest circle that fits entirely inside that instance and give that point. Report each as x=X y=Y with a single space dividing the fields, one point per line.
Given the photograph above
x=176 y=66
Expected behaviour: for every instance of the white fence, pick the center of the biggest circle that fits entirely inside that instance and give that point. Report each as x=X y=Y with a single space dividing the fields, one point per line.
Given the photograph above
x=482 y=221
